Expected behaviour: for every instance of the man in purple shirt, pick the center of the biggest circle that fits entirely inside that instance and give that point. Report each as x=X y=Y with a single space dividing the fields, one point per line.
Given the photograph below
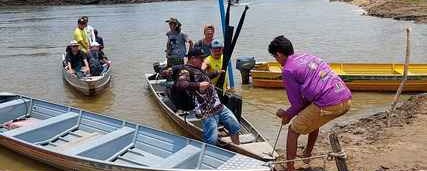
x=317 y=95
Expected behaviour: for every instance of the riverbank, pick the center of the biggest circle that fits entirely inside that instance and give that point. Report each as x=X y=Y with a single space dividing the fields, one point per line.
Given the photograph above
x=73 y=2
x=413 y=10
x=372 y=146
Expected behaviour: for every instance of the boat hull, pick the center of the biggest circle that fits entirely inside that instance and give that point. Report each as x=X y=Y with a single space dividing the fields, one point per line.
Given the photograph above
x=375 y=77
x=196 y=131
x=88 y=86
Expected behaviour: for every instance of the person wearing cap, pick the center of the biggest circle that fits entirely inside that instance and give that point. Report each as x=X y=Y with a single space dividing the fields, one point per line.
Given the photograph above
x=213 y=63
x=205 y=43
x=90 y=31
x=176 y=48
x=316 y=93
x=76 y=60
x=80 y=35
x=208 y=107
x=95 y=60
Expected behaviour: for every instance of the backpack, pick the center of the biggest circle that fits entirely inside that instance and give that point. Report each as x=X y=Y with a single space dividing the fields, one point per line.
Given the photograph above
x=181 y=98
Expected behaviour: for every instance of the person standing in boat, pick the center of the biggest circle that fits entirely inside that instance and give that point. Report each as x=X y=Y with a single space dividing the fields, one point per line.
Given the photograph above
x=205 y=43
x=317 y=95
x=90 y=31
x=76 y=60
x=213 y=63
x=176 y=48
x=80 y=35
x=208 y=107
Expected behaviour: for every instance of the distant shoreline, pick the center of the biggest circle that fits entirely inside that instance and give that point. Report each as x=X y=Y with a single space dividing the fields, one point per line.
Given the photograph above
x=73 y=2
x=409 y=10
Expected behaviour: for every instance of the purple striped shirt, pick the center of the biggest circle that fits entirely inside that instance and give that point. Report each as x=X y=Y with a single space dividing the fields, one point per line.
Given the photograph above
x=308 y=80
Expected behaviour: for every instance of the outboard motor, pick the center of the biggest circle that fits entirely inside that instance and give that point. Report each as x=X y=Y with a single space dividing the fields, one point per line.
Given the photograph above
x=245 y=64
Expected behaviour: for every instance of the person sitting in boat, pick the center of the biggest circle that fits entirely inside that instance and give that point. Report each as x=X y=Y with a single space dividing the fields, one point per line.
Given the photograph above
x=205 y=43
x=95 y=60
x=176 y=44
x=99 y=39
x=196 y=82
x=317 y=95
x=80 y=35
x=213 y=62
x=76 y=60
x=90 y=31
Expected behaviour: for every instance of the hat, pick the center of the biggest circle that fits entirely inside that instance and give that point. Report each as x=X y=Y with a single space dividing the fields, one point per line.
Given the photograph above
x=74 y=43
x=94 y=44
x=81 y=21
x=85 y=18
x=173 y=20
x=196 y=52
x=217 y=44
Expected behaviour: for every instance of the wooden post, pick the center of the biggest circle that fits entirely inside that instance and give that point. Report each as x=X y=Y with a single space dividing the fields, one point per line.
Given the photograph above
x=336 y=148
x=405 y=77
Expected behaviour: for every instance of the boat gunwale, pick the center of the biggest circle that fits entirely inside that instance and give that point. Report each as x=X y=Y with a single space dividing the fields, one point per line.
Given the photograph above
x=82 y=159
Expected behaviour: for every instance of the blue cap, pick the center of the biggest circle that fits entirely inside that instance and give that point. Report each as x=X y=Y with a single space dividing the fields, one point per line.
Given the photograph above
x=217 y=44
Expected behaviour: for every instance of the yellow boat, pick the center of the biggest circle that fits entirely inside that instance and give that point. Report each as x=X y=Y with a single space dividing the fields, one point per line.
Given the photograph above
x=357 y=76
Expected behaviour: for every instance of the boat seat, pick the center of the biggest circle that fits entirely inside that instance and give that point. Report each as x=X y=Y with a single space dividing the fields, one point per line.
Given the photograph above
x=181 y=157
x=45 y=129
x=104 y=146
x=13 y=109
x=244 y=139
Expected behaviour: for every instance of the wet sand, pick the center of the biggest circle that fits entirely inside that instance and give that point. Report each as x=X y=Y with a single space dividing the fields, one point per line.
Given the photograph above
x=371 y=145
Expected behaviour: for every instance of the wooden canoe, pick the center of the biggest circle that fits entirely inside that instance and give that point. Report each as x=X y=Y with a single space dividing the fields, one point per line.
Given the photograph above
x=89 y=86
x=253 y=144
x=357 y=76
x=72 y=139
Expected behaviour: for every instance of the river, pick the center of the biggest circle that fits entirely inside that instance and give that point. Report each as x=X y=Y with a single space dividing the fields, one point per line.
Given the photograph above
x=33 y=39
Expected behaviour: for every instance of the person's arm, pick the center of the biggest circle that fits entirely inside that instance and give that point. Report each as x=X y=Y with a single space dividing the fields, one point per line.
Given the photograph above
x=294 y=95
x=205 y=65
x=183 y=82
x=79 y=38
x=190 y=42
x=214 y=74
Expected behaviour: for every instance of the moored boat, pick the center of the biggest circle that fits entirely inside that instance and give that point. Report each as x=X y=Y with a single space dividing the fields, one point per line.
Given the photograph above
x=253 y=144
x=90 y=85
x=72 y=139
x=357 y=76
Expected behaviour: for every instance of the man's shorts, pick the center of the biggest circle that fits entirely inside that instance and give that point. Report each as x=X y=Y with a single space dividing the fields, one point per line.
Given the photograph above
x=313 y=116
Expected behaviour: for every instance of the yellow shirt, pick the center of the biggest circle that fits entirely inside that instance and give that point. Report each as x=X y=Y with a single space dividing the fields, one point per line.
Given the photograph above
x=215 y=65
x=81 y=37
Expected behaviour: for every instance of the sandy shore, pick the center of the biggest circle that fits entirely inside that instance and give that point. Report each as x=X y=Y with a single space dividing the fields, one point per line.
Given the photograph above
x=414 y=10
x=372 y=146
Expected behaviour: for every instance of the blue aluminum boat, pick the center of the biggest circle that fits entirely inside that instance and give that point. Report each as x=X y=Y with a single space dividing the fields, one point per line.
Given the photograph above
x=73 y=139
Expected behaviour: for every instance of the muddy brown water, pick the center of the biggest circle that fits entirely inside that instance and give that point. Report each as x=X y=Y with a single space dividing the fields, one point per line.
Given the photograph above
x=33 y=38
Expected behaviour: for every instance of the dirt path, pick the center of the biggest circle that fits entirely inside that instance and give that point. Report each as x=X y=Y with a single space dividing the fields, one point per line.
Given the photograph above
x=414 y=10
x=371 y=146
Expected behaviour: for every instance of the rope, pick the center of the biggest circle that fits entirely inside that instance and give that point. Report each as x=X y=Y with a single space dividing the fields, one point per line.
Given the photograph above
x=326 y=157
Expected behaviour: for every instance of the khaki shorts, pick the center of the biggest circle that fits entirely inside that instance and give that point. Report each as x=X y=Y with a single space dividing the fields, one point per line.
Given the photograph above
x=313 y=116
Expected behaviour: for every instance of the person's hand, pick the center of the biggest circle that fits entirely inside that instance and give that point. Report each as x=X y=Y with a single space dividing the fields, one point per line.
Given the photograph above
x=221 y=71
x=166 y=72
x=204 y=85
x=283 y=114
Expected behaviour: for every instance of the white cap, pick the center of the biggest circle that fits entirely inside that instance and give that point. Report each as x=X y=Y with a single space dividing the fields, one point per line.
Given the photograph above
x=73 y=42
x=94 y=44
